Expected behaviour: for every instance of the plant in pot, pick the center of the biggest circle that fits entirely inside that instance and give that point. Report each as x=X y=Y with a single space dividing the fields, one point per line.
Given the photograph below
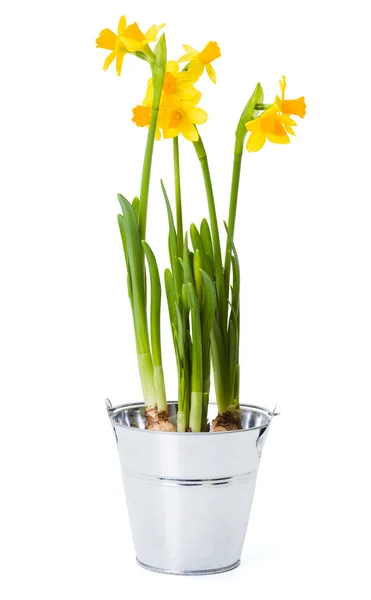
x=189 y=466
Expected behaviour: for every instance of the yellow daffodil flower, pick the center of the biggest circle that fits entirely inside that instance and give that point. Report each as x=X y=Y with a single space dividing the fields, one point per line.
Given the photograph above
x=203 y=59
x=134 y=39
x=110 y=41
x=128 y=39
x=175 y=117
x=272 y=126
x=290 y=107
x=182 y=116
x=177 y=83
x=142 y=118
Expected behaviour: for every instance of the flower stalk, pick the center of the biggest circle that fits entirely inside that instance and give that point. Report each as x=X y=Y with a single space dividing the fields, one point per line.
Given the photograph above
x=158 y=74
x=178 y=195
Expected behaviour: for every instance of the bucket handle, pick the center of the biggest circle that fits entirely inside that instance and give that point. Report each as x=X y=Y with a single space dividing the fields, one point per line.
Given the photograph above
x=110 y=410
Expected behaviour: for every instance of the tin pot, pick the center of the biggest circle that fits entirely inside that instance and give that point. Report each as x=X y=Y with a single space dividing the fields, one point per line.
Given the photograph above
x=188 y=495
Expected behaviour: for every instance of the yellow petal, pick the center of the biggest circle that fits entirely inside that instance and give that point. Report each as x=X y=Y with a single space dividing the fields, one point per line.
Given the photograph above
x=290 y=130
x=119 y=61
x=142 y=116
x=152 y=32
x=283 y=86
x=172 y=67
x=185 y=91
x=294 y=107
x=255 y=142
x=133 y=38
x=188 y=103
x=197 y=116
x=194 y=71
x=189 y=131
x=286 y=120
x=253 y=125
x=192 y=52
x=107 y=40
x=170 y=133
x=122 y=25
x=211 y=72
x=210 y=53
x=110 y=58
x=278 y=139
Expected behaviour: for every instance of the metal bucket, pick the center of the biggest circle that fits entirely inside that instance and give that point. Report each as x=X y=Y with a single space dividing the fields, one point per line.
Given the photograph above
x=189 y=495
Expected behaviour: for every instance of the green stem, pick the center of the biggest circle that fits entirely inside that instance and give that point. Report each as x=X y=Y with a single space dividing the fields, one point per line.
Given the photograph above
x=222 y=300
x=247 y=114
x=178 y=196
x=195 y=417
x=263 y=106
x=158 y=74
x=238 y=150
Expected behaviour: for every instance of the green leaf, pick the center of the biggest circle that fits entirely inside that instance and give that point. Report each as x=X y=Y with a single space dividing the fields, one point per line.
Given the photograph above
x=197 y=271
x=208 y=308
x=130 y=233
x=173 y=244
x=198 y=245
x=155 y=305
x=232 y=350
x=196 y=376
x=188 y=267
x=171 y=296
x=181 y=341
x=135 y=205
x=249 y=112
x=207 y=243
x=236 y=273
x=220 y=368
x=120 y=220
x=160 y=60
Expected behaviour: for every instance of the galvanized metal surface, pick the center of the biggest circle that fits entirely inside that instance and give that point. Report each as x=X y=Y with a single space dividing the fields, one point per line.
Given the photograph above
x=188 y=495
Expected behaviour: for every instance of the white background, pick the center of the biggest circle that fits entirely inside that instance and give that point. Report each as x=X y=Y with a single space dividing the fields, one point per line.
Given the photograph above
x=68 y=146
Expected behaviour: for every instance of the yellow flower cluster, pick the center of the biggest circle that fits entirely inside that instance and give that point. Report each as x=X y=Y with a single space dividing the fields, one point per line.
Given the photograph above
x=178 y=112
x=275 y=123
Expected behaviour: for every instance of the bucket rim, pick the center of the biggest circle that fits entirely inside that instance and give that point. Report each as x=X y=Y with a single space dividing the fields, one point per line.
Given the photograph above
x=114 y=411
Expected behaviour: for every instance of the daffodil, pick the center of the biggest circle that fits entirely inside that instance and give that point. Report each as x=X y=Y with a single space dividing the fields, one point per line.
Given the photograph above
x=181 y=116
x=176 y=116
x=142 y=118
x=134 y=39
x=110 y=41
x=203 y=59
x=177 y=84
x=128 y=39
x=272 y=125
x=290 y=107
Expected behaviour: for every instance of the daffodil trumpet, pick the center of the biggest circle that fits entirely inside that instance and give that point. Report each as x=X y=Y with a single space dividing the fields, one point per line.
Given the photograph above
x=202 y=290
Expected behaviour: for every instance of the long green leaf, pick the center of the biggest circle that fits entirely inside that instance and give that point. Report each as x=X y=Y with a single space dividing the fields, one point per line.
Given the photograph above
x=187 y=268
x=120 y=220
x=173 y=244
x=198 y=245
x=135 y=205
x=236 y=273
x=171 y=296
x=220 y=368
x=155 y=305
x=249 y=112
x=208 y=308
x=134 y=254
x=207 y=243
